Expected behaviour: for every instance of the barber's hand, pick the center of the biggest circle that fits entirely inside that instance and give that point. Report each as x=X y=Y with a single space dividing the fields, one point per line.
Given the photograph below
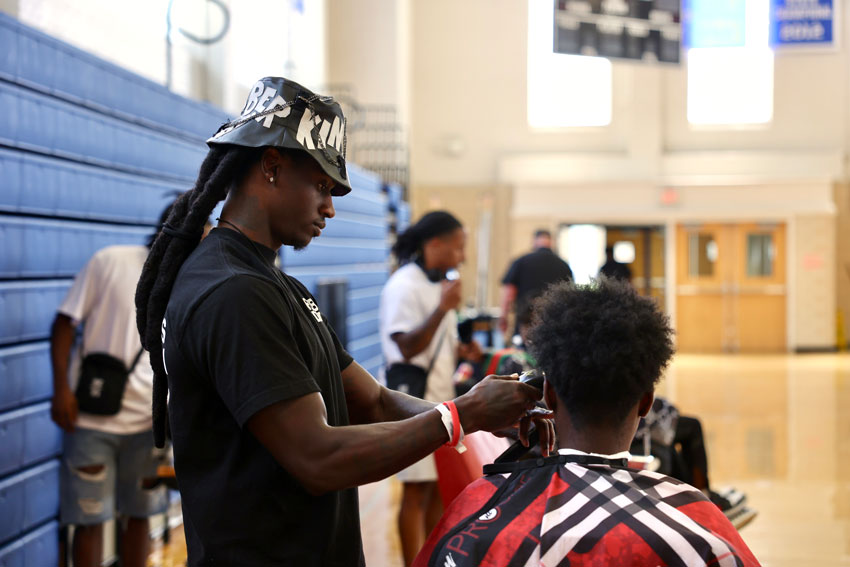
x=63 y=409
x=450 y=294
x=499 y=402
x=545 y=425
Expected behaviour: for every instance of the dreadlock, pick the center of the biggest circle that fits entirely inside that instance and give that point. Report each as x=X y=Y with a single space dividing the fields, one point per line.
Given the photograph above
x=224 y=167
x=410 y=243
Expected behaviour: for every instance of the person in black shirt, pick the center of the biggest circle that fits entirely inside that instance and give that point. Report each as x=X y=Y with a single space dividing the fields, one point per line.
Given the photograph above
x=614 y=269
x=529 y=275
x=273 y=424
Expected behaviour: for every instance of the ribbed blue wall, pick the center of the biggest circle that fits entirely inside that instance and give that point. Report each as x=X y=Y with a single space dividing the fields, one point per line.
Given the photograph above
x=89 y=156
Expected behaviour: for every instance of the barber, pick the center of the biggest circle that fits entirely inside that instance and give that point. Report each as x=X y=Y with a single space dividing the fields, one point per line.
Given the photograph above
x=273 y=424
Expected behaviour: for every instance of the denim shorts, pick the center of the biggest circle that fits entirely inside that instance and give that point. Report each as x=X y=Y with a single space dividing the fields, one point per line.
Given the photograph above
x=128 y=460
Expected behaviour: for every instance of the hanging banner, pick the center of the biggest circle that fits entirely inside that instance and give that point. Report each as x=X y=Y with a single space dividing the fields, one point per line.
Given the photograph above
x=644 y=30
x=802 y=22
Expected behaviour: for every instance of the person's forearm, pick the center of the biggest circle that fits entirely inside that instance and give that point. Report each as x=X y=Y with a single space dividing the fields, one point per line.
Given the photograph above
x=61 y=342
x=359 y=454
x=417 y=340
x=374 y=453
x=395 y=406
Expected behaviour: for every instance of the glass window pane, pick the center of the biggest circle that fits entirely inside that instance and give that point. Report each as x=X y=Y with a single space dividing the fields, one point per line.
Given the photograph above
x=760 y=253
x=702 y=255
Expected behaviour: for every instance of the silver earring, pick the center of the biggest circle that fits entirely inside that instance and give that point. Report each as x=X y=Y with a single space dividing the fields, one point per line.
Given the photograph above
x=271 y=179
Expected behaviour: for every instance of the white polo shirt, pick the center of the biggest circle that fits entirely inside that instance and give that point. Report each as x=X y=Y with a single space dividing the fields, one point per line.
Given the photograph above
x=102 y=299
x=407 y=300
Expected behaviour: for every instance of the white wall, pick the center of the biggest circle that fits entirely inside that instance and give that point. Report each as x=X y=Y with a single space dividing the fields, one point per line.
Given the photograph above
x=266 y=37
x=369 y=49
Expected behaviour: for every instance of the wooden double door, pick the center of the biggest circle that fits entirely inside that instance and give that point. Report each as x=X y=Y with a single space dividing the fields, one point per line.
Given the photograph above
x=731 y=287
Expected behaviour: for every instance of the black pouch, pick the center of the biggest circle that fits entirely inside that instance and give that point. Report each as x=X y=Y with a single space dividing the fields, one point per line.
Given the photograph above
x=103 y=379
x=407 y=378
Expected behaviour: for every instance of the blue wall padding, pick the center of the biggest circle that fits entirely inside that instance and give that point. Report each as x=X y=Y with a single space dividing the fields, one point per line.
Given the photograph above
x=28 y=499
x=36 y=60
x=53 y=248
x=36 y=549
x=25 y=375
x=327 y=251
x=39 y=123
x=364 y=324
x=90 y=155
x=27 y=436
x=358 y=276
x=402 y=217
x=49 y=186
x=395 y=194
x=27 y=308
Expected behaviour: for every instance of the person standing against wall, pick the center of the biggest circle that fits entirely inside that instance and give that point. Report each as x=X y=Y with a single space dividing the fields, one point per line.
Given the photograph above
x=109 y=461
x=529 y=275
x=418 y=325
x=273 y=423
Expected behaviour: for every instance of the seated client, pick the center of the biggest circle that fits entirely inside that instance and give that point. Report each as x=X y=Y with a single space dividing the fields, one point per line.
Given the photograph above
x=602 y=348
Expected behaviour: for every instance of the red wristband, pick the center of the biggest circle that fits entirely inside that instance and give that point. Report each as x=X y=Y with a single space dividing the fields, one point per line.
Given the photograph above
x=455 y=424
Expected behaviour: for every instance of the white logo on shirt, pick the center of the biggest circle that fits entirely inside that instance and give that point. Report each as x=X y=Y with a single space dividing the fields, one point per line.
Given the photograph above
x=314 y=309
x=450 y=561
x=163 y=346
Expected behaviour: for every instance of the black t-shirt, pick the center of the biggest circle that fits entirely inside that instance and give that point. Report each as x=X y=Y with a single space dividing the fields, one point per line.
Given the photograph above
x=239 y=337
x=532 y=273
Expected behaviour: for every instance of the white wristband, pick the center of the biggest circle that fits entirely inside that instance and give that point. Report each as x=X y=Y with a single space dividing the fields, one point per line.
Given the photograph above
x=446 y=416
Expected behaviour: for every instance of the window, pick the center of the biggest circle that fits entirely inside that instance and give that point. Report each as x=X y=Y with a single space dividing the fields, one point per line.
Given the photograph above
x=563 y=90
x=702 y=255
x=730 y=67
x=760 y=255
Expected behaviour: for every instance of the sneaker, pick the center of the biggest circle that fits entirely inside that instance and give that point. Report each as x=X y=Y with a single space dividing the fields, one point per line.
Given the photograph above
x=733 y=495
x=742 y=517
x=728 y=506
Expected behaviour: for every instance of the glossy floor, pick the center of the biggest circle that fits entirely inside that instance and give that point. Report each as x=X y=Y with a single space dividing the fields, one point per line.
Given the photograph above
x=777 y=427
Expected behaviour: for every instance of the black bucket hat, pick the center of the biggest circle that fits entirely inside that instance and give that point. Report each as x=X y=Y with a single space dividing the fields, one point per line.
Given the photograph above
x=283 y=114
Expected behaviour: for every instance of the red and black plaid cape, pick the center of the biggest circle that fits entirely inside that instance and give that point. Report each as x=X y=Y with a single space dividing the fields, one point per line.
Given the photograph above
x=580 y=510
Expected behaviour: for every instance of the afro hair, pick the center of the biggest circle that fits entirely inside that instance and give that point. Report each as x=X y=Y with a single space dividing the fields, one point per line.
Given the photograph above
x=602 y=347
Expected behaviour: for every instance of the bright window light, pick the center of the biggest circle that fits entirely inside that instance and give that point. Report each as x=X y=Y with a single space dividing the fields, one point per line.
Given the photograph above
x=563 y=90
x=583 y=248
x=733 y=85
x=624 y=252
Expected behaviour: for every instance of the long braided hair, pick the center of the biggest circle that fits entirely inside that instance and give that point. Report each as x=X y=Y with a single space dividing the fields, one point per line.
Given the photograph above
x=224 y=167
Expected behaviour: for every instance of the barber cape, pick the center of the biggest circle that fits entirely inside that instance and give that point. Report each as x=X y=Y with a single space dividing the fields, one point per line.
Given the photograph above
x=580 y=510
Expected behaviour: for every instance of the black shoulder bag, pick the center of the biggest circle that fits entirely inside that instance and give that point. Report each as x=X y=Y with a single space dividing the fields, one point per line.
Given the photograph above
x=103 y=379
x=410 y=378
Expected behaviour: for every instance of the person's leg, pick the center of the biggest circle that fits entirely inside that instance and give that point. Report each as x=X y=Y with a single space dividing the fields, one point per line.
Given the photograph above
x=689 y=436
x=411 y=519
x=135 y=542
x=137 y=500
x=87 y=487
x=88 y=545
